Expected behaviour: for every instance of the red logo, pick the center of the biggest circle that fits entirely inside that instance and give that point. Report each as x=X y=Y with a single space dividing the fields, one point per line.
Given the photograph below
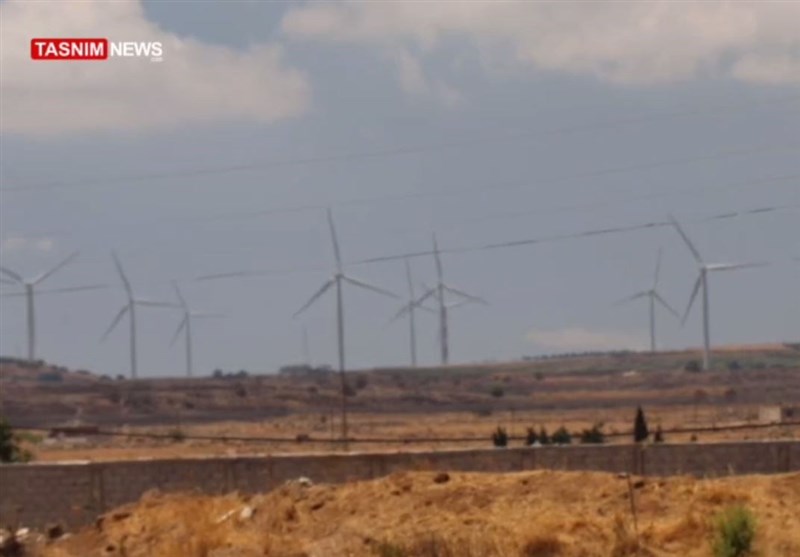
x=69 y=49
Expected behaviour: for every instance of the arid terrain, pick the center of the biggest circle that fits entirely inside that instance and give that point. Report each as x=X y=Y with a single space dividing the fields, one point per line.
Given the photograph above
x=531 y=514
x=414 y=405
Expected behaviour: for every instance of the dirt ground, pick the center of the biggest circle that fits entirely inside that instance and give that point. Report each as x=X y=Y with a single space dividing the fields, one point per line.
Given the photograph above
x=530 y=514
x=409 y=426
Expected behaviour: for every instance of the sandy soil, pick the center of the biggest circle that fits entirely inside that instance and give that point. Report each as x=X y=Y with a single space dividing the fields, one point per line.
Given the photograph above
x=530 y=514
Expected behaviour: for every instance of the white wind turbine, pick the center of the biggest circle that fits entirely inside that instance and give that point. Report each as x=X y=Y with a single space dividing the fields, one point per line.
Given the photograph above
x=409 y=308
x=702 y=282
x=337 y=280
x=653 y=296
x=186 y=325
x=130 y=309
x=438 y=292
x=30 y=289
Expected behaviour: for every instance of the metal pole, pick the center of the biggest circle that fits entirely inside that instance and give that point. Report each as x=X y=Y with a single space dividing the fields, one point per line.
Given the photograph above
x=31 y=323
x=413 y=335
x=188 y=345
x=706 y=331
x=132 y=310
x=340 y=329
x=652 y=322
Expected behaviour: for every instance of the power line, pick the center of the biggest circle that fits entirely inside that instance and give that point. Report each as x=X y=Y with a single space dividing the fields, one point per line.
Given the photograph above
x=392 y=152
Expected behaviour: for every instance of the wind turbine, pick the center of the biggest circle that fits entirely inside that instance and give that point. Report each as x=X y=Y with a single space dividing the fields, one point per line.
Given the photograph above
x=337 y=280
x=130 y=309
x=409 y=308
x=30 y=288
x=439 y=291
x=653 y=296
x=702 y=282
x=186 y=325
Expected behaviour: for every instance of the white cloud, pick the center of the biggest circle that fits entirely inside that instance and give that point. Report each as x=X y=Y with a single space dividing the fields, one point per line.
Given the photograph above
x=195 y=83
x=575 y=339
x=21 y=243
x=621 y=42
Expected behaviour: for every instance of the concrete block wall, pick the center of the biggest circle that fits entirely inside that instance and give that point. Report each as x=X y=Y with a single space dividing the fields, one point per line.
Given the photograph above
x=74 y=494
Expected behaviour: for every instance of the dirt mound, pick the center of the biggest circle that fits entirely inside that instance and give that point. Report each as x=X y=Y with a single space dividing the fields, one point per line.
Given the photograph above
x=531 y=514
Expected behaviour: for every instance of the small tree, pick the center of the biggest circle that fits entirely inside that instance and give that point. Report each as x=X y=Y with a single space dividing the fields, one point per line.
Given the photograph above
x=10 y=451
x=544 y=438
x=735 y=532
x=640 y=431
x=658 y=437
x=531 y=438
x=593 y=435
x=561 y=436
x=497 y=391
x=500 y=437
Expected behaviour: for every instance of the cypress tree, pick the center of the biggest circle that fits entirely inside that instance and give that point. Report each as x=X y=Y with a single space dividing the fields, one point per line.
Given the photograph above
x=640 y=431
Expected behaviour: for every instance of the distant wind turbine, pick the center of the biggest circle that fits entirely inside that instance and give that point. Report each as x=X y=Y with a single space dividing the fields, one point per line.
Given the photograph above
x=130 y=309
x=186 y=325
x=30 y=289
x=438 y=292
x=702 y=282
x=338 y=278
x=409 y=308
x=653 y=296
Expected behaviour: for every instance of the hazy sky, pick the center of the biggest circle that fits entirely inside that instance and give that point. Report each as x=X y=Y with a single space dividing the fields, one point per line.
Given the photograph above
x=481 y=121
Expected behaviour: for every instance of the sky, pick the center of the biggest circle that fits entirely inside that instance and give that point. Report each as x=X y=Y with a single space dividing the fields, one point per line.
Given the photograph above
x=482 y=122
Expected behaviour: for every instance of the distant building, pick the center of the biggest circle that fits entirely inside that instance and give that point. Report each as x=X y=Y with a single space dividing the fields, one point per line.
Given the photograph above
x=778 y=414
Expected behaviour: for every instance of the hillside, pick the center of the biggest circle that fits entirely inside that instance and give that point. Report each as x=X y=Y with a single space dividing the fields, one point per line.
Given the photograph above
x=530 y=514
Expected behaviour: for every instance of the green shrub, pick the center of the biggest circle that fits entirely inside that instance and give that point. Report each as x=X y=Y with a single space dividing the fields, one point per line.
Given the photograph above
x=640 y=431
x=497 y=391
x=593 y=435
x=561 y=436
x=500 y=437
x=531 y=438
x=692 y=366
x=735 y=530
x=10 y=450
x=544 y=438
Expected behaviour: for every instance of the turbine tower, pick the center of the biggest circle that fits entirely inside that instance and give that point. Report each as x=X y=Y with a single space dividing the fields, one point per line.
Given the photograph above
x=439 y=291
x=186 y=325
x=30 y=289
x=702 y=282
x=409 y=308
x=130 y=309
x=653 y=297
x=337 y=280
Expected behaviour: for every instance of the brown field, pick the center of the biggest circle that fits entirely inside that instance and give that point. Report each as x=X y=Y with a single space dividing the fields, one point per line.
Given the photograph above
x=530 y=514
x=411 y=404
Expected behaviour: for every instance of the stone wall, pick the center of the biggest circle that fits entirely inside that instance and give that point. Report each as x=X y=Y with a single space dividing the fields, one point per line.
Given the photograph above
x=75 y=493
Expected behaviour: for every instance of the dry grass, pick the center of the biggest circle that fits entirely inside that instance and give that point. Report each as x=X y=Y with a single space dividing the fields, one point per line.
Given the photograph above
x=531 y=514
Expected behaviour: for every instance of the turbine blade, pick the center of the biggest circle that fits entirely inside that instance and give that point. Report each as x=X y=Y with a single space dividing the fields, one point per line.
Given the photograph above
x=692 y=297
x=12 y=274
x=403 y=310
x=121 y=272
x=408 y=278
x=636 y=296
x=154 y=304
x=179 y=295
x=6 y=281
x=664 y=303
x=313 y=298
x=368 y=286
x=72 y=289
x=114 y=323
x=658 y=269
x=336 y=253
x=686 y=239
x=66 y=261
x=428 y=293
x=437 y=258
x=463 y=294
x=732 y=266
x=181 y=325
x=206 y=315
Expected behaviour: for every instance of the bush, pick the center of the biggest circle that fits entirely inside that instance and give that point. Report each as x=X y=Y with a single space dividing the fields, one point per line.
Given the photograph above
x=544 y=438
x=692 y=366
x=659 y=435
x=497 y=391
x=735 y=529
x=734 y=365
x=10 y=451
x=361 y=382
x=593 y=435
x=531 y=438
x=561 y=436
x=500 y=437
x=50 y=377
x=640 y=431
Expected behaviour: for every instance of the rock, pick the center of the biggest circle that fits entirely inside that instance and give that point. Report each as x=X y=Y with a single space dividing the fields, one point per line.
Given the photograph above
x=441 y=478
x=54 y=531
x=246 y=513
